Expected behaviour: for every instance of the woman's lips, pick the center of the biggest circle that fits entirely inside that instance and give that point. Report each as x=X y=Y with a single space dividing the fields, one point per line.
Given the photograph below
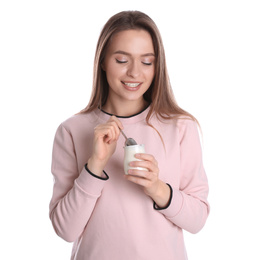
x=133 y=86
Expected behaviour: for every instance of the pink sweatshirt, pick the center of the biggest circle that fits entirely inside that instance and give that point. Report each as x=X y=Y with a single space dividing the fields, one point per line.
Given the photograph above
x=112 y=218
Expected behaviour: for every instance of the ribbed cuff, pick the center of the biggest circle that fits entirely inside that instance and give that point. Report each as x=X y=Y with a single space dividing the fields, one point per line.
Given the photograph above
x=90 y=183
x=96 y=176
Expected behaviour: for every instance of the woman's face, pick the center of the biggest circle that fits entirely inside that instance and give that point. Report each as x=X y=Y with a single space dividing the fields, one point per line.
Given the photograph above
x=129 y=65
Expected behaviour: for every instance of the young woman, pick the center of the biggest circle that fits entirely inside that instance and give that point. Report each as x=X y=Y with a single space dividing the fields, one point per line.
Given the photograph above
x=141 y=215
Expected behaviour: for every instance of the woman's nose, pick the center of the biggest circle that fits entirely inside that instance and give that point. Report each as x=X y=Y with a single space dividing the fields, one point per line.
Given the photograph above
x=133 y=70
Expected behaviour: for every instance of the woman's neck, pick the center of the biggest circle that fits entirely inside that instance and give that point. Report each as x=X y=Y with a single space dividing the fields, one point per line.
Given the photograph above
x=125 y=109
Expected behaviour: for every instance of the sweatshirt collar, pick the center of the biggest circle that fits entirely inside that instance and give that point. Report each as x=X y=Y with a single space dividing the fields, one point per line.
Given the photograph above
x=104 y=116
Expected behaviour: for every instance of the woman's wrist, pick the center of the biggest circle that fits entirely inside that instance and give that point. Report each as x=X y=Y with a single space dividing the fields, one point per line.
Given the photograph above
x=159 y=207
x=163 y=196
x=95 y=166
x=104 y=177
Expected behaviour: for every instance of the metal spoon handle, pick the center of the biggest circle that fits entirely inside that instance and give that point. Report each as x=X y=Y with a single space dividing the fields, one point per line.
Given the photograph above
x=123 y=134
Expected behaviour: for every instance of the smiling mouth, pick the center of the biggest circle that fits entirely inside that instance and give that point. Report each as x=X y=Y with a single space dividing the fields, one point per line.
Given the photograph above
x=131 y=85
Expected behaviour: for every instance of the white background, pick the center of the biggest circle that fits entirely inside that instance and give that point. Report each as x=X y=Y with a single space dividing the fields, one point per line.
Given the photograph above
x=46 y=59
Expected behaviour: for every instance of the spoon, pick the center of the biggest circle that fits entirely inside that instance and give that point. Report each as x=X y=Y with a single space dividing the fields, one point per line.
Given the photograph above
x=128 y=141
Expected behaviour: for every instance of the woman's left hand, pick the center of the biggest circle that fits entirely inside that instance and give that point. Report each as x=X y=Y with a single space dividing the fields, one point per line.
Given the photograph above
x=149 y=179
x=146 y=178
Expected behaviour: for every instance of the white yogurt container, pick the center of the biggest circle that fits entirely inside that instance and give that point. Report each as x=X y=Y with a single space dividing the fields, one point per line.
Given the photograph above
x=129 y=156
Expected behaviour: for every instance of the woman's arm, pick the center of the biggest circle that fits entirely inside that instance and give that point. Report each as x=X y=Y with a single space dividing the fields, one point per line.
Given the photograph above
x=189 y=207
x=186 y=206
x=74 y=194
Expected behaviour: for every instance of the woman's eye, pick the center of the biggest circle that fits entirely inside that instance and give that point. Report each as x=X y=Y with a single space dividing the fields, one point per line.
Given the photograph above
x=121 y=61
x=147 y=63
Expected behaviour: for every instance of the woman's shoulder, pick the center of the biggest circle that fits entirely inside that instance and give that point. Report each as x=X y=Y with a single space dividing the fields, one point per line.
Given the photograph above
x=187 y=126
x=179 y=121
x=184 y=121
x=78 y=121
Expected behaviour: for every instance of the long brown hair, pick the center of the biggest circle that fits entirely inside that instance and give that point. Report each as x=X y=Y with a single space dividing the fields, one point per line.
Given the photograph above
x=160 y=94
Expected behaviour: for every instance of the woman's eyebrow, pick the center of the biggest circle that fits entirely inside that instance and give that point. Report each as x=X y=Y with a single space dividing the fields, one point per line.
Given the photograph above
x=128 y=54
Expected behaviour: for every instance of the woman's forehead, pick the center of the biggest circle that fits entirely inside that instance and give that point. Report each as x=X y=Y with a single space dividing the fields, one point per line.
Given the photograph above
x=132 y=42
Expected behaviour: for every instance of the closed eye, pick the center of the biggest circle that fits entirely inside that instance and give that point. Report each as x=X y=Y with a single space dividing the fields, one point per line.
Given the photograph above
x=121 y=61
x=147 y=63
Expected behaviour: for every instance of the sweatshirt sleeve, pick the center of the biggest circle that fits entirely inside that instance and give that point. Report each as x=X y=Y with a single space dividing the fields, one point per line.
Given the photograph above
x=189 y=208
x=74 y=194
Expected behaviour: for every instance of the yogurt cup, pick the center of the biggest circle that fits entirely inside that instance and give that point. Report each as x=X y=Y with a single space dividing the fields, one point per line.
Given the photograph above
x=129 y=156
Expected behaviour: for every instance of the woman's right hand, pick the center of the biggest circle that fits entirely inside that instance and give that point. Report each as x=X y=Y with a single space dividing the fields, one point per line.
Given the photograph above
x=104 y=144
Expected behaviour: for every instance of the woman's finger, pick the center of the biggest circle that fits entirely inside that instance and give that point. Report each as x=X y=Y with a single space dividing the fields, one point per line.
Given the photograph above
x=140 y=181
x=108 y=131
x=146 y=157
x=117 y=121
x=151 y=166
x=144 y=164
x=141 y=173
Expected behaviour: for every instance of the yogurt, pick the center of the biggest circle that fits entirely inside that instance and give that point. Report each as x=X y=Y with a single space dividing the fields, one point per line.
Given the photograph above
x=129 y=156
